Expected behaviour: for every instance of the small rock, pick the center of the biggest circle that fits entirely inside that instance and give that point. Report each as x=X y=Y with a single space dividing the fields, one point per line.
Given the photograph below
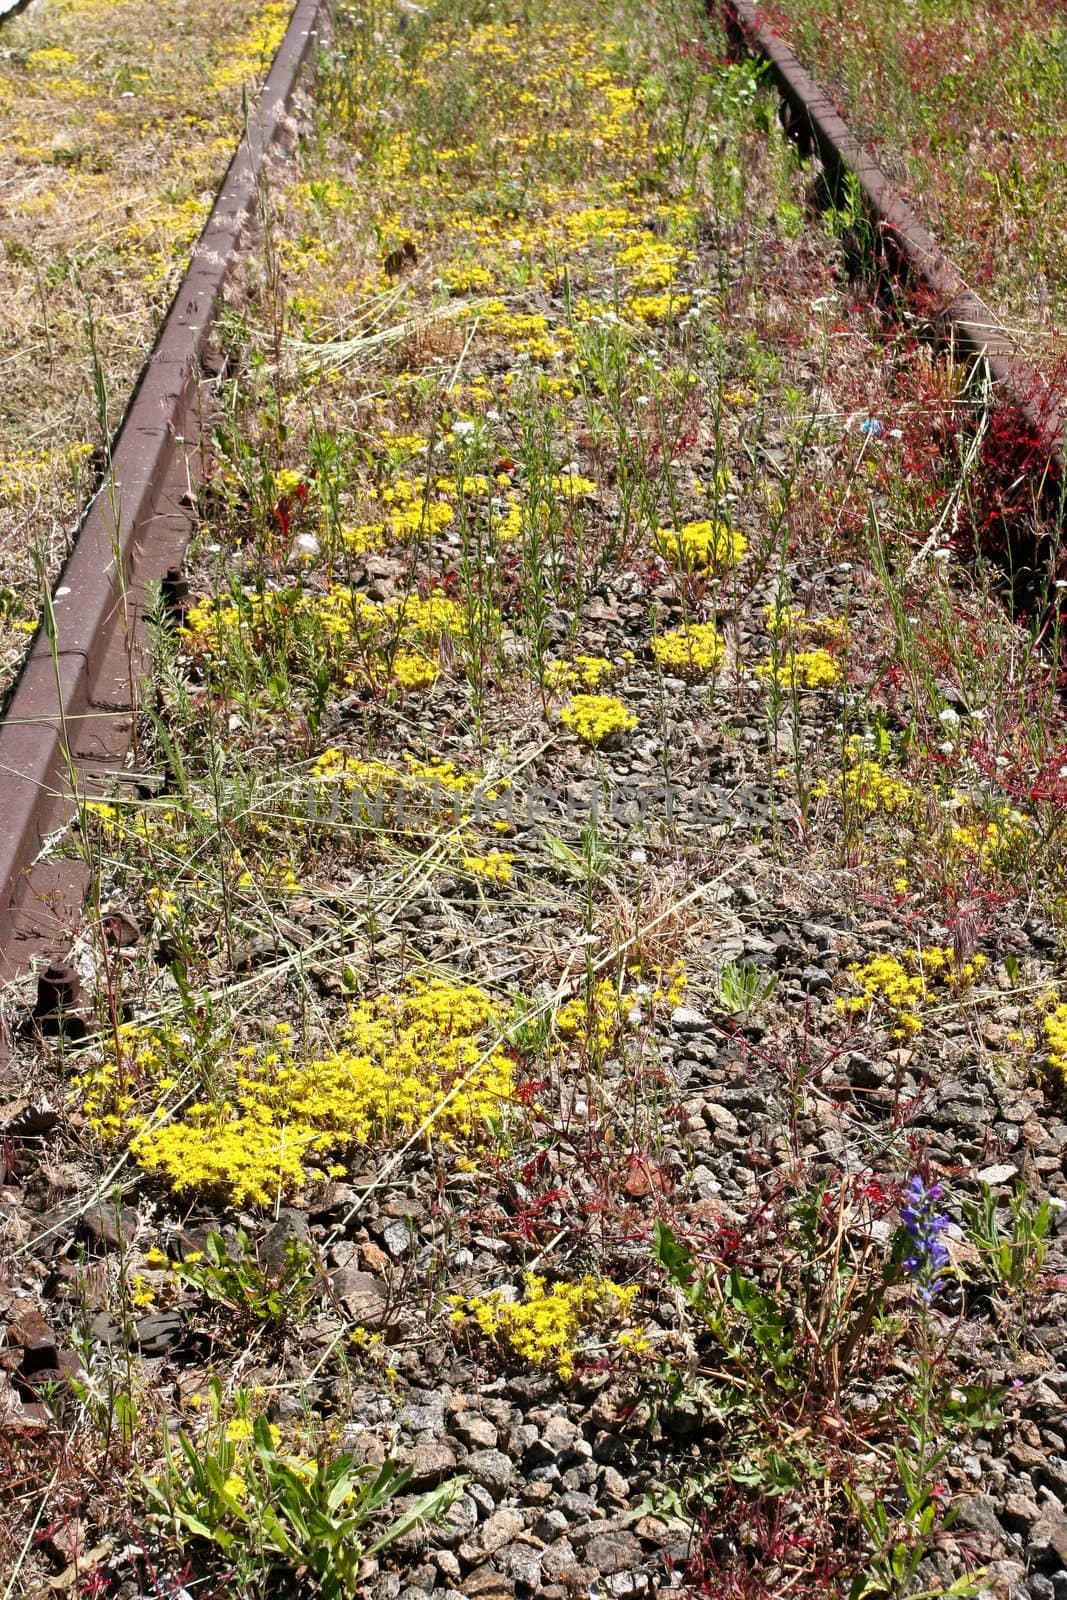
x=1047 y=1547
x=105 y=1330
x=559 y=1561
x=684 y=1019
x=158 y=1331
x=421 y=1581
x=612 y=1486
x=397 y=1238
x=363 y=1296
x=482 y=1498
x=485 y=1583
x=1003 y=1173
x=492 y=1469
x=523 y=1563
x=559 y=1434
x=448 y=1565
x=101 y=1227
x=275 y=1247
x=461 y=1519
x=624 y=1584
x=719 y=1118
x=475 y=1431
x=978 y=1512
x=614 y=1551
x=500 y=1529
x=1020 y=1513
x=29 y=1330
x=27 y=1119
x=549 y=1525
x=431 y=1463
x=373 y=1257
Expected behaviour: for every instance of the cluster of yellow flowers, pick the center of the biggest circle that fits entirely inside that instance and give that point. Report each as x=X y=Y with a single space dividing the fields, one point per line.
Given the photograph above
x=866 y=786
x=427 y=1061
x=594 y=1021
x=467 y=277
x=656 y=307
x=1054 y=1027
x=693 y=652
x=584 y=672
x=547 y=1326
x=989 y=843
x=901 y=987
x=254 y=51
x=572 y=485
x=419 y=795
x=652 y=263
x=597 y=718
x=526 y=332
x=356 y=638
x=701 y=546
x=786 y=617
x=802 y=669
x=496 y=866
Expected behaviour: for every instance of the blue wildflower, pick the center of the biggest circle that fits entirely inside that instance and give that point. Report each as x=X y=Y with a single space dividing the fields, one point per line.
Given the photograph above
x=925 y=1225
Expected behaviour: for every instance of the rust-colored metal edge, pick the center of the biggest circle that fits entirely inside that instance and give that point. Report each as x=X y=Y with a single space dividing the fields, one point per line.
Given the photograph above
x=70 y=717
x=14 y=8
x=961 y=316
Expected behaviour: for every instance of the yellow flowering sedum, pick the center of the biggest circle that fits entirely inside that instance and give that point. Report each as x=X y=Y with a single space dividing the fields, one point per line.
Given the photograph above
x=656 y=307
x=694 y=652
x=867 y=785
x=596 y=718
x=594 y=1022
x=991 y=843
x=573 y=486
x=701 y=546
x=427 y=1059
x=804 y=669
x=901 y=986
x=495 y=866
x=547 y=1326
x=356 y=639
x=1055 y=1030
x=584 y=672
x=413 y=671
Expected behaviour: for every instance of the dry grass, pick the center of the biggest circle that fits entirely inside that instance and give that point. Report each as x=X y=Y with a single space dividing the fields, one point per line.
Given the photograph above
x=117 y=119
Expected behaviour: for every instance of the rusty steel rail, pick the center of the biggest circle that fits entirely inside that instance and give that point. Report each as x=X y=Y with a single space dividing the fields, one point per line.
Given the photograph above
x=70 y=720
x=961 y=317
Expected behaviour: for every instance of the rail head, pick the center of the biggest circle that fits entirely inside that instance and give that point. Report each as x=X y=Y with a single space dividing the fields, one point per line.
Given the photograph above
x=963 y=317
x=72 y=705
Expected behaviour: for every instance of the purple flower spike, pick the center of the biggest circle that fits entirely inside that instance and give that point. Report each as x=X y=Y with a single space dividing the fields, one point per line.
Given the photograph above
x=924 y=1224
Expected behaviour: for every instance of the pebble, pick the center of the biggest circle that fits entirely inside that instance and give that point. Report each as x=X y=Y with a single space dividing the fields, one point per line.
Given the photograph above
x=497 y=1531
x=364 y=1296
x=1003 y=1173
x=492 y=1469
x=431 y=1463
x=614 y=1551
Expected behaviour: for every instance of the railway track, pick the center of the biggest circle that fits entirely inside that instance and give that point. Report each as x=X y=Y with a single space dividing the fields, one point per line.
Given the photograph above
x=72 y=709
x=599 y=899
x=960 y=317
x=69 y=720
